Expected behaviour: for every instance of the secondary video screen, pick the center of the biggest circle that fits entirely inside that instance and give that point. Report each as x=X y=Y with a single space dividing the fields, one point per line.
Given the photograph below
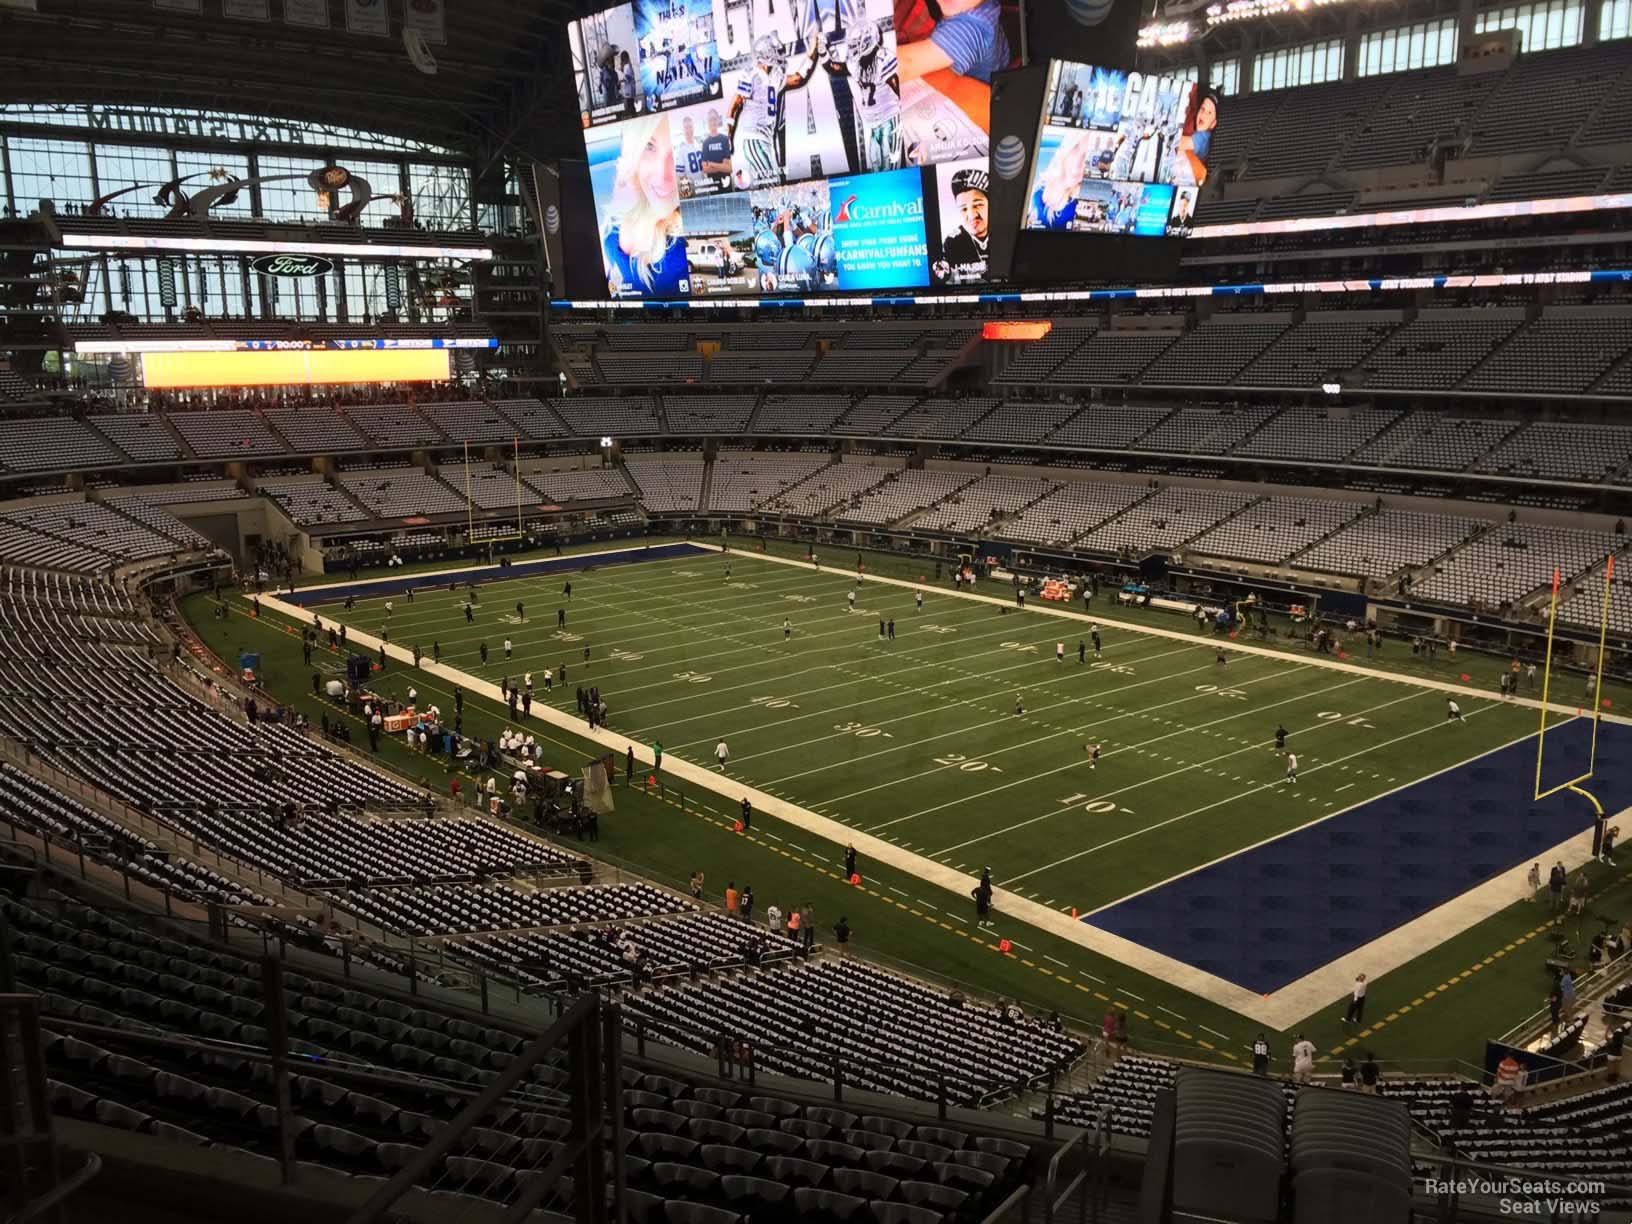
x=1120 y=152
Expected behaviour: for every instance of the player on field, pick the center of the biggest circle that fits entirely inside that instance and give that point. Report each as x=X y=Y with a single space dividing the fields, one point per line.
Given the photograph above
x=920 y=601
x=1093 y=755
x=1093 y=631
x=521 y=612
x=1059 y=652
x=1280 y=737
x=1019 y=704
x=756 y=113
x=507 y=648
x=1453 y=712
x=1082 y=652
x=851 y=596
x=1292 y=768
x=787 y=629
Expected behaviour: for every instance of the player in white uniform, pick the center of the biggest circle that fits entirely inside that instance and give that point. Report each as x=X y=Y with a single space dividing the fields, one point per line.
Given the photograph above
x=876 y=91
x=755 y=113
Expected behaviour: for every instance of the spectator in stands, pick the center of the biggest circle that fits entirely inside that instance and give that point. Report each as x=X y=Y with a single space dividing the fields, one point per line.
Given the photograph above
x=773 y=919
x=745 y=903
x=1371 y=1075
x=1566 y=990
x=1509 y=1077
x=1350 y=1072
x=697 y=886
x=731 y=897
x=807 y=925
x=841 y=936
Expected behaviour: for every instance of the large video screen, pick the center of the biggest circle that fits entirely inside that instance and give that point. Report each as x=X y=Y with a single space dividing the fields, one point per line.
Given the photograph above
x=757 y=146
x=1119 y=152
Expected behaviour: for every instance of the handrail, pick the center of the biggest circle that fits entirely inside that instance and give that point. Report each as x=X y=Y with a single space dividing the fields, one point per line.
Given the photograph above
x=1001 y=1211
x=45 y=1202
x=1593 y=981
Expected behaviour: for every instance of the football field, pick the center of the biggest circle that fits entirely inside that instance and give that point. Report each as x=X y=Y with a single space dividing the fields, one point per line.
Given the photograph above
x=965 y=741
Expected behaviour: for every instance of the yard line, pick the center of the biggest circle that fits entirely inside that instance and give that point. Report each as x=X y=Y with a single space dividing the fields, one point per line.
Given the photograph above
x=1227 y=799
x=1091 y=977
x=1003 y=719
x=1169 y=1011
x=1343 y=788
x=1112 y=617
x=904 y=691
x=1322 y=819
x=1130 y=994
x=864 y=658
x=1056 y=960
x=1214 y=1032
x=1078 y=730
x=1201 y=765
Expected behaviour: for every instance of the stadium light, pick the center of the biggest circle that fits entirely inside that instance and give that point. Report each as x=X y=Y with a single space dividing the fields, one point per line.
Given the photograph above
x=1332 y=388
x=1247 y=10
x=1166 y=33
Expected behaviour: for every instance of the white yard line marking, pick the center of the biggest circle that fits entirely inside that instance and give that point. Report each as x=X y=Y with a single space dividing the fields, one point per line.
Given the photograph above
x=1236 y=648
x=973 y=702
x=960 y=676
x=1254 y=790
x=1077 y=762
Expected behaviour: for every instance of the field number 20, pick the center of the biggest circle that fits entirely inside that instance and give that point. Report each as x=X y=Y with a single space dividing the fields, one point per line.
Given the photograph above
x=965 y=764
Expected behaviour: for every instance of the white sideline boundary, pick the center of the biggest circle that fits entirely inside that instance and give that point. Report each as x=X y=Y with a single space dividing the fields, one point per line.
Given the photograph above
x=1281 y=1010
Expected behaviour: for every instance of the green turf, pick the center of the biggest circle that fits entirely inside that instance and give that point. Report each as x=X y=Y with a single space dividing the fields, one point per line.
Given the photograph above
x=917 y=739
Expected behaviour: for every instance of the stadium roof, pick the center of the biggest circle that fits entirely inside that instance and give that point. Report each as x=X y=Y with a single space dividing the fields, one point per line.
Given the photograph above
x=501 y=83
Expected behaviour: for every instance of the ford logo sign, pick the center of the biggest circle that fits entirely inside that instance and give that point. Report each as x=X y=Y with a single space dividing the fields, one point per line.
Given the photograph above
x=293 y=265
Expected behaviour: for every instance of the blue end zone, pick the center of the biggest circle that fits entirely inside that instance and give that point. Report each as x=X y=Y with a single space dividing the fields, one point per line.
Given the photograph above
x=432 y=580
x=1268 y=916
